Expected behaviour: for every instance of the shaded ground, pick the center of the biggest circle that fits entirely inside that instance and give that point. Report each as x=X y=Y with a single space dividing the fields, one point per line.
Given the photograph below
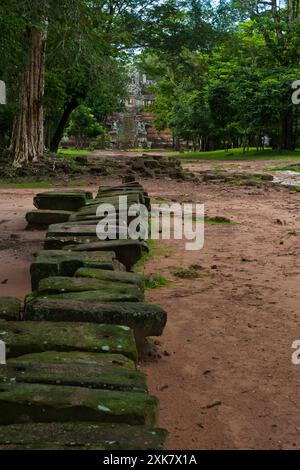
x=225 y=378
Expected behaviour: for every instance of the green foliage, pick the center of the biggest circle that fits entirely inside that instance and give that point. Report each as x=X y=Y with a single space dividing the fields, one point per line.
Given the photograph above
x=83 y=125
x=232 y=86
x=192 y=272
x=223 y=70
x=154 y=281
x=87 y=50
x=72 y=153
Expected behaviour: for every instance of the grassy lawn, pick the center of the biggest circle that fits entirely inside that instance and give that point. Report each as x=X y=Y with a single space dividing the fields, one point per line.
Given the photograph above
x=73 y=152
x=237 y=154
x=146 y=150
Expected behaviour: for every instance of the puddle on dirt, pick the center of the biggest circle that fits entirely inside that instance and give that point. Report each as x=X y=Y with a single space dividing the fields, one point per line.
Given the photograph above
x=288 y=177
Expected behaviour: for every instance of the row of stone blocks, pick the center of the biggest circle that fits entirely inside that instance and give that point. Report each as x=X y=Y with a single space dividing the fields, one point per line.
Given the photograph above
x=71 y=379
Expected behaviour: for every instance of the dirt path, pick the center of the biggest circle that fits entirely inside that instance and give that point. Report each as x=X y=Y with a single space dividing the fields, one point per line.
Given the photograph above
x=229 y=382
x=226 y=379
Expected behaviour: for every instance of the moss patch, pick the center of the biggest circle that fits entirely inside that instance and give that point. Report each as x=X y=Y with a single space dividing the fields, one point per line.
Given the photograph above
x=78 y=357
x=9 y=309
x=21 y=403
x=112 y=276
x=216 y=220
x=96 y=376
x=154 y=281
x=35 y=337
x=145 y=319
x=82 y=436
x=193 y=272
x=61 y=285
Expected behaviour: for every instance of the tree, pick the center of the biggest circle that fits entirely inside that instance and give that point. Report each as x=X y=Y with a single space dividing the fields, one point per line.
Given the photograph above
x=27 y=142
x=75 y=39
x=233 y=86
x=84 y=125
x=279 y=25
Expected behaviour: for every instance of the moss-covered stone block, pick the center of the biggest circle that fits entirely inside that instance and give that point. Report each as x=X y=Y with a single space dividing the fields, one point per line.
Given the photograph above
x=107 y=360
x=62 y=200
x=115 y=218
x=37 y=403
x=112 y=276
x=144 y=319
x=140 y=195
x=54 y=242
x=65 y=263
x=60 y=285
x=96 y=376
x=36 y=337
x=71 y=229
x=110 y=230
x=45 y=217
x=128 y=252
x=91 y=207
x=86 y=296
x=9 y=309
x=82 y=436
x=125 y=184
x=132 y=198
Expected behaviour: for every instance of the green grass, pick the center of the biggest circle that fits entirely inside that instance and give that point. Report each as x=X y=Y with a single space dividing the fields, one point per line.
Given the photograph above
x=218 y=220
x=160 y=201
x=155 y=249
x=26 y=184
x=154 y=281
x=193 y=272
x=145 y=150
x=146 y=255
x=237 y=154
x=73 y=152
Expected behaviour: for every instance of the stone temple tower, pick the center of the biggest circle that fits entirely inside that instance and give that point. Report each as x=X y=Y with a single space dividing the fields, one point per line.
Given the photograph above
x=132 y=128
x=128 y=129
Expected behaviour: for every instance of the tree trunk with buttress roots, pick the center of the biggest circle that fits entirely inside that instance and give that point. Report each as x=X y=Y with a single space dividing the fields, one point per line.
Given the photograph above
x=27 y=142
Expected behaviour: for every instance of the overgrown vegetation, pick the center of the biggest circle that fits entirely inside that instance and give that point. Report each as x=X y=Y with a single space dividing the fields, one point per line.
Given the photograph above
x=222 y=73
x=194 y=271
x=154 y=281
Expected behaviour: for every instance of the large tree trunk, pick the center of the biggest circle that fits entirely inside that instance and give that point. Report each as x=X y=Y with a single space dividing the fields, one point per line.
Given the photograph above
x=73 y=104
x=27 y=142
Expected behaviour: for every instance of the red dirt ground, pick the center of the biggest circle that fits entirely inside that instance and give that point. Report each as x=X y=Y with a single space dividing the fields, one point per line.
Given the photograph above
x=225 y=379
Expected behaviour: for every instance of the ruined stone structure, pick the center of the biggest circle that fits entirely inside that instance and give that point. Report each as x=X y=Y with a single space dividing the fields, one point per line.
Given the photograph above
x=132 y=128
x=70 y=378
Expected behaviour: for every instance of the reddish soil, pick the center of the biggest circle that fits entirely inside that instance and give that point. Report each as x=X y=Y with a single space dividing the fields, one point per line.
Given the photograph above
x=225 y=378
